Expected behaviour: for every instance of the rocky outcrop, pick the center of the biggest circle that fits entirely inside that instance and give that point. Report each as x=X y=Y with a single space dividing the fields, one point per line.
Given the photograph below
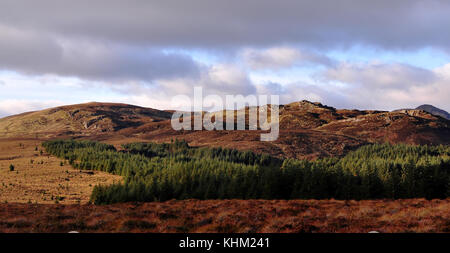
x=307 y=129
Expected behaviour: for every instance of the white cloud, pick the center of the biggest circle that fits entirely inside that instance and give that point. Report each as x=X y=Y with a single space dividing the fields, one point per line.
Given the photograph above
x=372 y=85
x=281 y=57
x=390 y=86
x=443 y=72
x=272 y=58
x=380 y=75
x=220 y=79
x=15 y=106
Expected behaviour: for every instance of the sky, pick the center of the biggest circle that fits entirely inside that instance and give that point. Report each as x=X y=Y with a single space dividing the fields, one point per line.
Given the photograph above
x=354 y=54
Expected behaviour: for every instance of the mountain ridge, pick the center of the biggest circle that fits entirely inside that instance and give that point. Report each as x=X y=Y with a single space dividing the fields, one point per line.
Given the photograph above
x=307 y=129
x=434 y=110
x=88 y=118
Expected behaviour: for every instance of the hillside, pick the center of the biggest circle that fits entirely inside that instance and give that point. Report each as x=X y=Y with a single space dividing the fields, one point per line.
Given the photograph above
x=307 y=129
x=311 y=130
x=435 y=111
x=90 y=119
x=160 y=172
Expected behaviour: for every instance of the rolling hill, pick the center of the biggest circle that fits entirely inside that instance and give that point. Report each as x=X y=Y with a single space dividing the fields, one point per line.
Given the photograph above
x=307 y=130
x=90 y=119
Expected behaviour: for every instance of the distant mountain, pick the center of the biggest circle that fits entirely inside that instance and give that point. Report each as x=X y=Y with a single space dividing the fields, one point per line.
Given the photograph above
x=435 y=111
x=307 y=129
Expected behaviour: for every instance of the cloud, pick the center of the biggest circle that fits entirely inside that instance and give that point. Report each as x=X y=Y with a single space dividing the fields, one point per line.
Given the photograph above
x=220 y=24
x=38 y=54
x=15 y=106
x=388 y=86
x=220 y=79
x=380 y=75
x=360 y=91
x=123 y=47
x=282 y=57
x=443 y=72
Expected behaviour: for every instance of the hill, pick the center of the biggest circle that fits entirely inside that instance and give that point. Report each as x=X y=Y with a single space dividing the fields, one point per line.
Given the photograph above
x=435 y=111
x=310 y=130
x=90 y=119
x=307 y=130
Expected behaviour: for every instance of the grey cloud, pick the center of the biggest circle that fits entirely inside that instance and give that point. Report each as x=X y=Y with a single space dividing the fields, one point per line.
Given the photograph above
x=112 y=40
x=41 y=53
x=204 y=23
x=315 y=58
x=117 y=40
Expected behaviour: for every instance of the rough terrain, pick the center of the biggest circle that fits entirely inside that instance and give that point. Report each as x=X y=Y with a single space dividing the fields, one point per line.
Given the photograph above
x=243 y=216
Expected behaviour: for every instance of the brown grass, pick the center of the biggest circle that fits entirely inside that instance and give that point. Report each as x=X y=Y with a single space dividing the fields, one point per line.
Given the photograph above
x=242 y=216
x=40 y=178
x=307 y=130
x=45 y=182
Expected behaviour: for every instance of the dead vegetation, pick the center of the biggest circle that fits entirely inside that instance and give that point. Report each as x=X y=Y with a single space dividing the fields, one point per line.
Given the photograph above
x=241 y=216
x=307 y=130
x=39 y=178
x=29 y=175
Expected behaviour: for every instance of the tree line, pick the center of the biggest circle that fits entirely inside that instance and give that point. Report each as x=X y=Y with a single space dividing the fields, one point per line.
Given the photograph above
x=159 y=172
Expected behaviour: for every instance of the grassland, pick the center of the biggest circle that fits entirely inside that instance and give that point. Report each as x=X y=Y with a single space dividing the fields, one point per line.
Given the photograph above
x=41 y=178
x=242 y=216
x=33 y=188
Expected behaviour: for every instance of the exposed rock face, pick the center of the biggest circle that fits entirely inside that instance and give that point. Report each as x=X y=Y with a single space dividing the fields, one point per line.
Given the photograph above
x=307 y=130
x=310 y=130
x=416 y=113
x=409 y=126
